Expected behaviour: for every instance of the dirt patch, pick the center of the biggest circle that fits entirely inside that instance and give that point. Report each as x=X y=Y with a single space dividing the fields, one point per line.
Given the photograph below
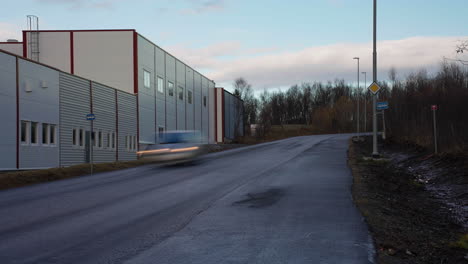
x=408 y=222
x=262 y=199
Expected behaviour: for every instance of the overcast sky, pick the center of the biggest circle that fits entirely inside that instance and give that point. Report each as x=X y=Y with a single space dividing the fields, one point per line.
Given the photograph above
x=271 y=43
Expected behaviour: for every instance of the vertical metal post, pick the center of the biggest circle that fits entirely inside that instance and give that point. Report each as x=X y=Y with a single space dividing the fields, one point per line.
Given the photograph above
x=383 y=124
x=359 y=94
x=435 y=130
x=375 y=152
x=365 y=102
x=91 y=143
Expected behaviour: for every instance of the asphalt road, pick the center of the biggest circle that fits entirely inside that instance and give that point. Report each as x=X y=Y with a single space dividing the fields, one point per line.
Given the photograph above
x=283 y=202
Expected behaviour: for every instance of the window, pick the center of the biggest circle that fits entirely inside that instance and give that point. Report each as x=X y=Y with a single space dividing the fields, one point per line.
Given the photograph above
x=161 y=130
x=113 y=140
x=99 y=139
x=81 y=137
x=52 y=134
x=75 y=137
x=146 y=79
x=181 y=93
x=25 y=132
x=204 y=101
x=170 y=89
x=189 y=97
x=127 y=143
x=45 y=134
x=108 y=140
x=160 y=85
x=135 y=143
x=34 y=132
x=94 y=139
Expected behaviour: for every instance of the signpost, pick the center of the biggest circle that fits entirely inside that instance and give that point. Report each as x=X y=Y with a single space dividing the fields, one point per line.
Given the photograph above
x=90 y=118
x=382 y=106
x=434 y=108
x=374 y=88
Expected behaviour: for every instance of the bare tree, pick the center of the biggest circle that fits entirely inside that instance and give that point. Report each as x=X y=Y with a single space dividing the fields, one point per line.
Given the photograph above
x=462 y=46
x=248 y=109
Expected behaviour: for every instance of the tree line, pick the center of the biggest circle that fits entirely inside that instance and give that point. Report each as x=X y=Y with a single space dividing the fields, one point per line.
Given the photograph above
x=331 y=107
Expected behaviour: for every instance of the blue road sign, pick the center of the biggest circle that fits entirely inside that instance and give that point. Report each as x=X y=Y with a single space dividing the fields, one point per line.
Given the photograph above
x=382 y=105
x=90 y=117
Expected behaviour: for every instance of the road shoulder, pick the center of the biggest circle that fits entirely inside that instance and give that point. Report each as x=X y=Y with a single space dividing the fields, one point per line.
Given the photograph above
x=407 y=223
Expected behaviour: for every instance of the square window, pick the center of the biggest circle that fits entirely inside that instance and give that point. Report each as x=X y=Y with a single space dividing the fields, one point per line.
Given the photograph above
x=170 y=89
x=181 y=93
x=189 y=97
x=160 y=85
x=24 y=131
x=146 y=79
x=52 y=134
x=34 y=132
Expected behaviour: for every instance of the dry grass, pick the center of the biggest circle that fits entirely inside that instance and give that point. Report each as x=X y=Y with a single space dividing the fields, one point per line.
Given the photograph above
x=23 y=178
x=282 y=132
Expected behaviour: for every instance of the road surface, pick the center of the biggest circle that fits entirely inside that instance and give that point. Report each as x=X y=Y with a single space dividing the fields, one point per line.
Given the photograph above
x=283 y=202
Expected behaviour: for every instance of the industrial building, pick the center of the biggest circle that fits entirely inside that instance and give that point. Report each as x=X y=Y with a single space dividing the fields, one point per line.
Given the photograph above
x=135 y=89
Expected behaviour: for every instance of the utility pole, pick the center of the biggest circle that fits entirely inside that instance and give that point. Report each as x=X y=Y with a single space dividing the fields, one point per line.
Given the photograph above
x=358 y=95
x=365 y=102
x=375 y=152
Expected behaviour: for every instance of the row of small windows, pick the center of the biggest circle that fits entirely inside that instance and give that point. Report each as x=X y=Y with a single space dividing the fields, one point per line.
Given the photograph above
x=30 y=132
x=102 y=140
x=170 y=88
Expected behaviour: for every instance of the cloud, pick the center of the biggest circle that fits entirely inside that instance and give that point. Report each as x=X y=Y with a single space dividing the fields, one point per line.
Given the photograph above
x=320 y=63
x=9 y=31
x=203 y=6
x=81 y=4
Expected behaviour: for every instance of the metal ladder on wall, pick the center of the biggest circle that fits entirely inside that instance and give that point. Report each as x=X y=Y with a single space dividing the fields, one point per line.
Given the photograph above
x=33 y=40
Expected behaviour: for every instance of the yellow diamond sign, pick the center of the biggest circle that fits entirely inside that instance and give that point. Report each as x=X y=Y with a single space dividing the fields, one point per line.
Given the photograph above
x=374 y=88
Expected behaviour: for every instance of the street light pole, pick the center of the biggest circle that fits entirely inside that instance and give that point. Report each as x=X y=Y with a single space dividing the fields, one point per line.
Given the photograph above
x=365 y=101
x=375 y=152
x=358 y=95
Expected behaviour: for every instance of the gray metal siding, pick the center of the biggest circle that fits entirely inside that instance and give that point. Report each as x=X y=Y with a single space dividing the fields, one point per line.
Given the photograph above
x=127 y=123
x=8 y=111
x=40 y=105
x=181 y=71
x=171 y=116
x=205 y=116
x=160 y=97
x=198 y=100
x=104 y=110
x=146 y=97
x=189 y=108
x=74 y=105
x=233 y=112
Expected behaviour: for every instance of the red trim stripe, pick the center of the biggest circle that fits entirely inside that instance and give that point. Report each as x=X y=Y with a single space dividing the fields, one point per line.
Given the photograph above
x=135 y=84
x=17 y=114
x=216 y=113
x=135 y=62
x=25 y=45
x=222 y=111
x=72 y=53
x=116 y=126
x=80 y=30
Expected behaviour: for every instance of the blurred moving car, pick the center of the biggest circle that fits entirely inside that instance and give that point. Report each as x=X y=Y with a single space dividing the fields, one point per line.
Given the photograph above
x=175 y=147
